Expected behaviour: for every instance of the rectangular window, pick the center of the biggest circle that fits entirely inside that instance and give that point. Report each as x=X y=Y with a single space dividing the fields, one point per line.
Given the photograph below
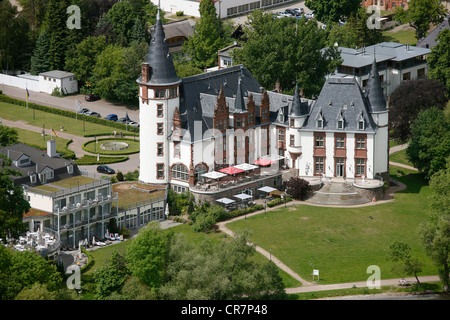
x=159 y=111
x=360 y=167
x=319 y=165
x=160 y=150
x=292 y=123
x=176 y=149
x=160 y=130
x=292 y=141
x=340 y=142
x=160 y=94
x=360 y=143
x=160 y=171
x=320 y=141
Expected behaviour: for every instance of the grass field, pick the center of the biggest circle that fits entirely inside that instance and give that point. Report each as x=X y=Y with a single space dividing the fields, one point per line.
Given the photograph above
x=94 y=147
x=400 y=157
x=343 y=242
x=77 y=127
x=401 y=36
x=36 y=139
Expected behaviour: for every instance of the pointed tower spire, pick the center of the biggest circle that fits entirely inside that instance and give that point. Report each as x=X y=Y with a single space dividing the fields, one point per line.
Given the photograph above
x=298 y=108
x=239 y=105
x=161 y=67
x=374 y=91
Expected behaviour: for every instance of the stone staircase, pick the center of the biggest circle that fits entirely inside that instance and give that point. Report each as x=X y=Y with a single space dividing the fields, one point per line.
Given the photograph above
x=337 y=193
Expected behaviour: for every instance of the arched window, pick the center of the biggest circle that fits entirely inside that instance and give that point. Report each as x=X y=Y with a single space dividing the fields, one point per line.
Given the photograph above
x=199 y=170
x=180 y=172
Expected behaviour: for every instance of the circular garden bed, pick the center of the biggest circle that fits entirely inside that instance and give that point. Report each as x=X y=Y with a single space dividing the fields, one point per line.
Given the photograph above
x=112 y=146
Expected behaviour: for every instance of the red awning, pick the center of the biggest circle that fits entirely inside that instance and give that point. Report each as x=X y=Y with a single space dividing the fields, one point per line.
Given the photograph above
x=264 y=162
x=231 y=170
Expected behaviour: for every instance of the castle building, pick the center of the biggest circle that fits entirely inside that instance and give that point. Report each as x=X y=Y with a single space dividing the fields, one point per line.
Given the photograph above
x=213 y=121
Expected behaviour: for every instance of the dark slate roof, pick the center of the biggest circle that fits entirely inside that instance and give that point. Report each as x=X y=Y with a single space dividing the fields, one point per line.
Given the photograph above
x=162 y=69
x=299 y=108
x=430 y=40
x=340 y=97
x=239 y=105
x=374 y=91
x=39 y=160
x=196 y=88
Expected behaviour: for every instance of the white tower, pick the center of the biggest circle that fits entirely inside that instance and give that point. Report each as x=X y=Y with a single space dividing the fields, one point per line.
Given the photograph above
x=380 y=115
x=297 y=117
x=159 y=91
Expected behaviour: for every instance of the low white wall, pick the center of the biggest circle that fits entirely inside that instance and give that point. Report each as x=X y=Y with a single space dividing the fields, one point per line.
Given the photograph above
x=23 y=83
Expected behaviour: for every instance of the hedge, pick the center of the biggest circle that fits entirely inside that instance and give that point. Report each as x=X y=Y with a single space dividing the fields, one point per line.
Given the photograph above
x=65 y=113
x=87 y=160
x=118 y=152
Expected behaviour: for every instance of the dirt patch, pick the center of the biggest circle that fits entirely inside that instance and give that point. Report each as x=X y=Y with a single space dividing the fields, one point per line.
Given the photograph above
x=304 y=218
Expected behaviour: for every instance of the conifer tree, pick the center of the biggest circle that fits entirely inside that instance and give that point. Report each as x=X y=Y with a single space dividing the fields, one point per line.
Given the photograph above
x=40 y=60
x=56 y=26
x=209 y=36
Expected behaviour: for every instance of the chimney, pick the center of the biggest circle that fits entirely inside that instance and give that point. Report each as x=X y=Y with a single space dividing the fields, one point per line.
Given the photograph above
x=51 y=148
x=145 y=67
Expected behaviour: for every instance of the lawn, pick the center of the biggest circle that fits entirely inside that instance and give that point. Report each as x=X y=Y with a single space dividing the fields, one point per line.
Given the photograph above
x=400 y=157
x=93 y=146
x=73 y=181
x=343 y=242
x=401 y=36
x=36 y=139
x=128 y=195
x=50 y=120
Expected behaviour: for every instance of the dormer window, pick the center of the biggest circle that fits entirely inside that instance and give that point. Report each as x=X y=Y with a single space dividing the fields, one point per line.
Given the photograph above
x=320 y=124
x=281 y=118
x=361 y=125
x=70 y=169
x=33 y=178
x=340 y=124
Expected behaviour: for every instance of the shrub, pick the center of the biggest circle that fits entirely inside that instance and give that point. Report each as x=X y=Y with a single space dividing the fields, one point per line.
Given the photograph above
x=119 y=176
x=180 y=13
x=297 y=188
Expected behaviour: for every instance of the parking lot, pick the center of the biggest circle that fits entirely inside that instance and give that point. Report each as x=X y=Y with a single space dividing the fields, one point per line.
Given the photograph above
x=282 y=7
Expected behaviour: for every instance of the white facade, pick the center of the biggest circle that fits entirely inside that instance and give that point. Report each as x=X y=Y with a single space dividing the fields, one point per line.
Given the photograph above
x=65 y=81
x=224 y=8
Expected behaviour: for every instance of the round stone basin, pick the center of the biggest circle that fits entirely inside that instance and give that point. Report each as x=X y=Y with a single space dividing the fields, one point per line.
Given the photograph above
x=114 y=145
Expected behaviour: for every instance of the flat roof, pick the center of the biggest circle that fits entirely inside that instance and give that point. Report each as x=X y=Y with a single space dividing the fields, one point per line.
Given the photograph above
x=384 y=51
x=57 y=74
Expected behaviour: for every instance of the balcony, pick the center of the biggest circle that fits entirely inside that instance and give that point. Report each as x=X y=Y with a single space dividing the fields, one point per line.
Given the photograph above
x=85 y=204
x=294 y=149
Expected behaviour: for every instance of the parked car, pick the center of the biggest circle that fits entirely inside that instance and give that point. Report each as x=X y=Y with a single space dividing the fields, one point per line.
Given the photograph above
x=111 y=117
x=283 y=14
x=91 y=97
x=299 y=10
x=84 y=110
x=105 y=169
x=123 y=120
x=93 y=114
x=133 y=123
x=309 y=15
x=292 y=12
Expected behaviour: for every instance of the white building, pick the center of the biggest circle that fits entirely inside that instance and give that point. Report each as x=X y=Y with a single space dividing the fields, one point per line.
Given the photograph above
x=396 y=63
x=74 y=206
x=65 y=81
x=224 y=8
x=224 y=118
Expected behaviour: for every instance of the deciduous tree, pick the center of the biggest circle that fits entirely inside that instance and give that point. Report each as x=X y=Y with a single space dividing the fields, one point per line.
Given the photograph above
x=328 y=11
x=420 y=14
x=439 y=60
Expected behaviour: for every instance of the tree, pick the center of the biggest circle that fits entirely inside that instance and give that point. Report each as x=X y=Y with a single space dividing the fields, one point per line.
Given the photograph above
x=138 y=32
x=12 y=202
x=81 y=61
x=147 y=255
x=435 y=230
x=122 y=16
x=184 y=70
x=430 y=145
x=23 y=269
x=172 y=202
x=355 y=32
x=15 y=42
x=420 y=14
x=297 y=188
x=8 y=136
x=34 y=12
x=40 y=61
x=111 y=278
x=287 y=50
x=36 y=292
x=408 y=99
x=209 y=36
x=400 y=252
x=56 y=26
x=328 y=11
x=439 y=60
